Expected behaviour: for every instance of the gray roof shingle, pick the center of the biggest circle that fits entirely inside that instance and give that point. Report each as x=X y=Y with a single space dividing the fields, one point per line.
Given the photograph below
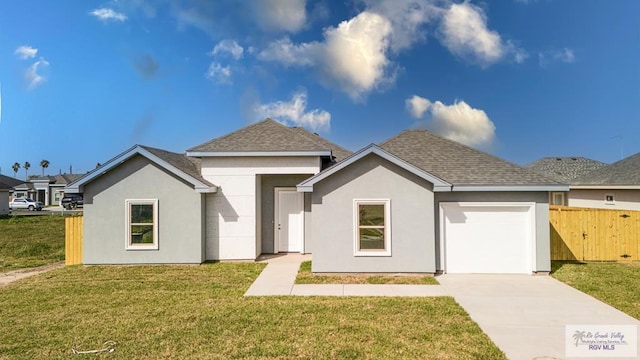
x=269 y=135
x=623 y=172
x=9 y=181
x=564 y=169
x=188 y=165
x=459 y=164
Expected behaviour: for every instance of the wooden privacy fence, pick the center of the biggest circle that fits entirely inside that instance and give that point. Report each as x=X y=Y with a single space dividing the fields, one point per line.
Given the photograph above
x=594 y=234
x=73 y=240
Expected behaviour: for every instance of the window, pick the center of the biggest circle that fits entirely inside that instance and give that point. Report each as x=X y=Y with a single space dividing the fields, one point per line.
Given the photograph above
x=557 y=198
x=57 y=196
x=609 y=199
x=372 y=228
x=142 y=224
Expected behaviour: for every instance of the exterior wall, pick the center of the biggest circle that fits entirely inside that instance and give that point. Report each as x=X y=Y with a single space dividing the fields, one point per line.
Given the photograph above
x=268 y=184
x=543 y=255
x=624 y=199
x=4 y=202
x=234 y=213
x=412 y=219
x=42 y=186
x=180 y=212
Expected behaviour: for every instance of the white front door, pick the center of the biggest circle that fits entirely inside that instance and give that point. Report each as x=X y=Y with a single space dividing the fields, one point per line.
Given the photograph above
x=289 y=220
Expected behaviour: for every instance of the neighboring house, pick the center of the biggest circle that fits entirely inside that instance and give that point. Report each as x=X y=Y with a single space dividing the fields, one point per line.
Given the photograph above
x=417 y=203
x=4 y=198
x=47 y=189
x=615 y=186
x=563 y=170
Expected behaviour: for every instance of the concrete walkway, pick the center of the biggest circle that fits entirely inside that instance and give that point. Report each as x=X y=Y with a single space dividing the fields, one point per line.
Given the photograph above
x=11 y=276
x=524 y=315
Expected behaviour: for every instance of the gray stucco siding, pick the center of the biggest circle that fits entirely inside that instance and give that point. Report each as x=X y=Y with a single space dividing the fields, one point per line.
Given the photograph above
x=541 y=200
x=331 y=237
x=267 y=185
x=180 y=216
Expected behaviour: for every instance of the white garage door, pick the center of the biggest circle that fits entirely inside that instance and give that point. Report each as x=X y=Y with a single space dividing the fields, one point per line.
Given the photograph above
x=487 y=237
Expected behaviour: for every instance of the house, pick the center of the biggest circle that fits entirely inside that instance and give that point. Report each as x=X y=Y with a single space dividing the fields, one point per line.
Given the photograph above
x=563 y=170
x=4 y=198
x=615 y=186
x=47 y=189
x=417 y=203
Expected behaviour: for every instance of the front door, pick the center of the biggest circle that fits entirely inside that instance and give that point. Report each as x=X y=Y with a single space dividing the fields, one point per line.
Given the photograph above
x=288 y=220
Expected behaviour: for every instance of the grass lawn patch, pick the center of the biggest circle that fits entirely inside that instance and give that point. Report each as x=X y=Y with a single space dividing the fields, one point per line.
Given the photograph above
x=198 y=312
x=305 y=276
x=30 y=241
x=616 y=284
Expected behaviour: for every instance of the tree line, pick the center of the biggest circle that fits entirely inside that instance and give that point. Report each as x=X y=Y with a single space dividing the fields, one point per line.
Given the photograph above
x=16 y=166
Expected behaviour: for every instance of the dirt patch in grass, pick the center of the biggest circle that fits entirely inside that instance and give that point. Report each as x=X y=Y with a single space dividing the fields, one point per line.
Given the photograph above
x=30 y=241
x=616 y=284
x=305 y=276
x=198 y=312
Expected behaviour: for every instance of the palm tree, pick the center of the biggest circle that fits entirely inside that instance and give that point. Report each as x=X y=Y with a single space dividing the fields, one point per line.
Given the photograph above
x=26 y=170
x=16 y=167
x=578 y=336
x=44 y=164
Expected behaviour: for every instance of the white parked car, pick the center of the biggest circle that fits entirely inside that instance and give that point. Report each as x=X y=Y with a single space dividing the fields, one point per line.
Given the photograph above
x=25 y=203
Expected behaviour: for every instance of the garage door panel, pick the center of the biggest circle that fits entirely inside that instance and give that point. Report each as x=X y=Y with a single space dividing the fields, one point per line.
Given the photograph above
x=487 y=239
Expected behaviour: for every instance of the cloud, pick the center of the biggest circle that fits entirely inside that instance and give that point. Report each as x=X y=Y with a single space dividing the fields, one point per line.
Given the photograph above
x=417 y=106
x=146 y=66
x=458 y=121
x=218 y=73
x=294 y=112
x=106 y=14
x=34 y=78
x=228 y=47
x=25 y=52
x=280 y=15
x=352 y=57
x=564 y=55
x=464 y=32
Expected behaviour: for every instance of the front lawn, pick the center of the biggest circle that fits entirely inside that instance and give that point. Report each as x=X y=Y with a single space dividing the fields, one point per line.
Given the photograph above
x=183 y=312
x=616 y=284
x=29 y=241
x=305 y=276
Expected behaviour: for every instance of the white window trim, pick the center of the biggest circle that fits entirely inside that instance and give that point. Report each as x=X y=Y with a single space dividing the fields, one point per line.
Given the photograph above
x=554 y=194
x=128 y=244
x=612 y=202
x=387 y=227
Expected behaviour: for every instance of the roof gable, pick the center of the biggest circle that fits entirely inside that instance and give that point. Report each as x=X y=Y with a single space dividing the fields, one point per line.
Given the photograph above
x=266 y=138
x=564 y=169
x=177 y=164
x=621 y=173
x=463 y=167
x=9 y=181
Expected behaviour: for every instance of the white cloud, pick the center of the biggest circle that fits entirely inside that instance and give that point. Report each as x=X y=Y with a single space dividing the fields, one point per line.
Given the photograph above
x=464 y=32
x=106 y=14
x=295 y=112
x=25 y=52
x=458 y=121
x=220 y=74
x=352 y=57
x=280 y=15
x=229 y=47
x=34 y=78
x=564 y=55
x=417 y=106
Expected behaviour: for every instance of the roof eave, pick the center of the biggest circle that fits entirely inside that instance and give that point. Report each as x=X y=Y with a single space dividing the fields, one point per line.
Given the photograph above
x=515 y=188
x=605 y=187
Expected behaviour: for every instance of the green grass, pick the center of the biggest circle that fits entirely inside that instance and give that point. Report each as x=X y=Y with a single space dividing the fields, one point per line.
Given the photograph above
x=198 y=312
x=305 y=276
x=616 y=284
x=29 y=241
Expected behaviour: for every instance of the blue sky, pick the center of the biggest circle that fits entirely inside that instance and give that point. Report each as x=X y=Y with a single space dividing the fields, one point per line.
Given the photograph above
x=83 y=81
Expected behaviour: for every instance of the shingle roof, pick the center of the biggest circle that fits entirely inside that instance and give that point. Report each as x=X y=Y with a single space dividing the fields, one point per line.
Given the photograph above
x=564 y=169
x=60 y=179
x=458 y=164
x=9 y=181
x=623 y=172
x=269 y=135
x=188 y=165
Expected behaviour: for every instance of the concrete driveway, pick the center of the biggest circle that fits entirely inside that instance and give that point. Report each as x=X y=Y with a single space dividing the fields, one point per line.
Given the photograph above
x=525 y=315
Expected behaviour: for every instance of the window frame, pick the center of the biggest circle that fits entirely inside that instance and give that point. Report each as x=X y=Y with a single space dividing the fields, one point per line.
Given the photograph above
x=387 y=227
x=553 y=198
x=128 y=224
